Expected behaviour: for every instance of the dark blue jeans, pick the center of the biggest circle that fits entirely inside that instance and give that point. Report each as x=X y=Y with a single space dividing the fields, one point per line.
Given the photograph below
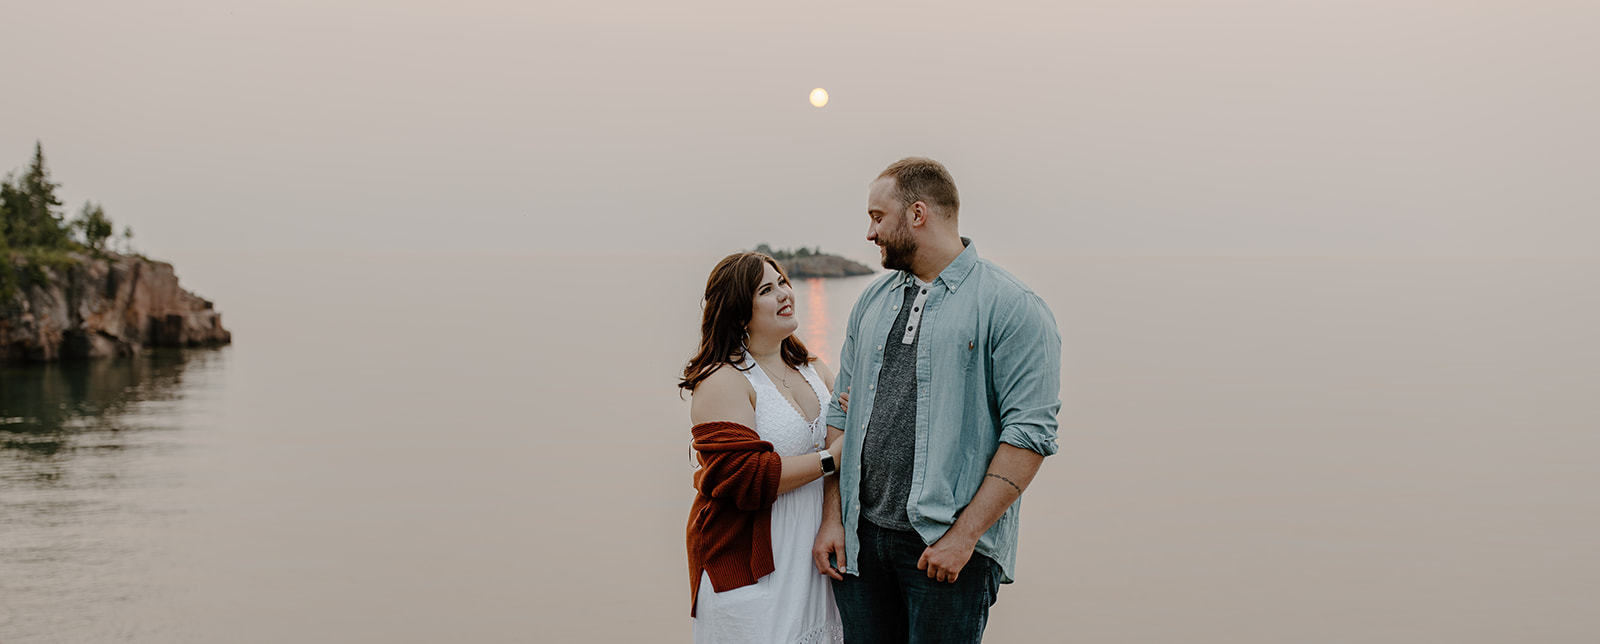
x=890 y=601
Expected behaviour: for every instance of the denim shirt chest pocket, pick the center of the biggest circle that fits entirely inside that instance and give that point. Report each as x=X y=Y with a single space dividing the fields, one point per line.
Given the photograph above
x=954 y=338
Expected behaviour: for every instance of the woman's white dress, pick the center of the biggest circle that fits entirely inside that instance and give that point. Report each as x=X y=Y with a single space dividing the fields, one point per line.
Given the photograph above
x=794 y=604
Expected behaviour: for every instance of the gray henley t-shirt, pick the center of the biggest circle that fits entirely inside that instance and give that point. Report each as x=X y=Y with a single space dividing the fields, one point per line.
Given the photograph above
x=888 y=453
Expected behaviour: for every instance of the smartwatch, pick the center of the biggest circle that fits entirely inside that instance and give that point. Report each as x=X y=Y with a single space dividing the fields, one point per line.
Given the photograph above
x=828 y=466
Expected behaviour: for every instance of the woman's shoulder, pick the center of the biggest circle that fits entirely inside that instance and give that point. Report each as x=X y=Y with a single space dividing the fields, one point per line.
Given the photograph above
x=724 y=395
x=725 y=376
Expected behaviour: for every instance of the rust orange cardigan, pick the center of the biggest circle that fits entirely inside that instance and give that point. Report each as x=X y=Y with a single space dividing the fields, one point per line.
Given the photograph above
x=730 y=523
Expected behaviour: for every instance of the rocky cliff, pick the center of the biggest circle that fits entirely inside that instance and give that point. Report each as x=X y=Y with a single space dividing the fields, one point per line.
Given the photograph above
x=91 y=307
x=822 y=266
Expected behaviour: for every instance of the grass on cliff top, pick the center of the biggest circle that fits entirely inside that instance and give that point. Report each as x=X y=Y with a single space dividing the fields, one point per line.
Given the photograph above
x=56 y=258
x=36 y=264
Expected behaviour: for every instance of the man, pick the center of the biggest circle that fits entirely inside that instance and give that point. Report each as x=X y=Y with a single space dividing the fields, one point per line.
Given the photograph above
x=959 y=365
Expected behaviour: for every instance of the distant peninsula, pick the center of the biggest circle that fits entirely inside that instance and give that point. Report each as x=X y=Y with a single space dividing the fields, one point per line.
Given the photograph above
x=66 y=292
x=812 y=262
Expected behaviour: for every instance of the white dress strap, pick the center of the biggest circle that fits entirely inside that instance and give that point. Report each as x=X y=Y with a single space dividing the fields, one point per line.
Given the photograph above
x=755 y=373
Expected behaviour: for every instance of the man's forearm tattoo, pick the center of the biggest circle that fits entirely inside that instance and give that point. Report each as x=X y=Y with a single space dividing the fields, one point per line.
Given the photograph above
x=1008 y=481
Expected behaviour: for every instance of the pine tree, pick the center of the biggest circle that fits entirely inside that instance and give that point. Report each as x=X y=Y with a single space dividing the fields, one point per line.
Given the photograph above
x=51 y=231
x=32 y=207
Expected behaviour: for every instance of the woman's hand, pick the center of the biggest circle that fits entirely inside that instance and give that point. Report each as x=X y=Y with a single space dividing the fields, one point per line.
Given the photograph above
x=844 y=399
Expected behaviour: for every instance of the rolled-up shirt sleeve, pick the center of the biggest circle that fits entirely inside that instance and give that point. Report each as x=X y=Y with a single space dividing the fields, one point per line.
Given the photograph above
x=841 y=383
x=1027 y=375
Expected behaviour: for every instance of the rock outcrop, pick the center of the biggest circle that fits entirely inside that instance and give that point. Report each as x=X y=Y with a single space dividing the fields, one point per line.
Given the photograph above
x=93 y=307
x=823 y=266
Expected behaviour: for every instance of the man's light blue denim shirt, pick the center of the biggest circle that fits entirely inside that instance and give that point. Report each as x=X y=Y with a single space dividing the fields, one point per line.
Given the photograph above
x=988 y=372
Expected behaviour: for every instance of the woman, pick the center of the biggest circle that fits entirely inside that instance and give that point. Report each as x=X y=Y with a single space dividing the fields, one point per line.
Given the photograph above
x=760 y=430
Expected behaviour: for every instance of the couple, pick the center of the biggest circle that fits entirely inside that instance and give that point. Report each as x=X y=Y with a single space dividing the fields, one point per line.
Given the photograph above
x=959 y=366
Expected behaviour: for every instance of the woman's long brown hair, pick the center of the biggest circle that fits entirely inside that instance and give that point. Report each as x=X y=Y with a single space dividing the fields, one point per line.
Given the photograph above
x=730 y=298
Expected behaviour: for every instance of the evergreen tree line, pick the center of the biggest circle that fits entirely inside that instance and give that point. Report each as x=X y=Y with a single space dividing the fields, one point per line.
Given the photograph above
x=786 y=254
x=31 y=216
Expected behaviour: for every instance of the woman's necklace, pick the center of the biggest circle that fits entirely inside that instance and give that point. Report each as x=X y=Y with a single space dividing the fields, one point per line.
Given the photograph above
x=785 y=377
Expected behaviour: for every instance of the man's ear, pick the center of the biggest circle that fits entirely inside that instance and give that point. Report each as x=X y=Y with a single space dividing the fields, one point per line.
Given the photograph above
x=919 y=213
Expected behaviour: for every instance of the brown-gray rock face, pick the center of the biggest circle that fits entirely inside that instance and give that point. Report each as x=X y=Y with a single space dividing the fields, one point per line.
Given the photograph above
x=101 y=307
x=823 y=266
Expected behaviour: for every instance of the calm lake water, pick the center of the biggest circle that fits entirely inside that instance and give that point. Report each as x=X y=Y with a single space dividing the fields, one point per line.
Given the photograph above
x=492 y=449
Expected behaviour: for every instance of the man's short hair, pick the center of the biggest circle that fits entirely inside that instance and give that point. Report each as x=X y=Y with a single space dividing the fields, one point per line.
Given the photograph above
x=923 y=179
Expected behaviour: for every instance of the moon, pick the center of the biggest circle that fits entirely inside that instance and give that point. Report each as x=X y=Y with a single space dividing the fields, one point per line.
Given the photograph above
x=819 y=97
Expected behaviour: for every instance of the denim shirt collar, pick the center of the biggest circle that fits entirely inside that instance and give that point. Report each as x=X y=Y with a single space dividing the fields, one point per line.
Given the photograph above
x=953 y=275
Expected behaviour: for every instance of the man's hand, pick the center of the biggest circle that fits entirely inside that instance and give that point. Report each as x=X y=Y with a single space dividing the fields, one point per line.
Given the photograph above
x=1010 y=472
x=946 y=557
x=830 y=541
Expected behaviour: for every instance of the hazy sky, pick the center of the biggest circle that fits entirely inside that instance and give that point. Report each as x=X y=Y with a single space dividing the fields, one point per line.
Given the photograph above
x=1177 y=127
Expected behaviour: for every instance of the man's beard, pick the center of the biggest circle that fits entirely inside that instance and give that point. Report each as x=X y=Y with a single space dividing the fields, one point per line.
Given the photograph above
x=898 y=249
